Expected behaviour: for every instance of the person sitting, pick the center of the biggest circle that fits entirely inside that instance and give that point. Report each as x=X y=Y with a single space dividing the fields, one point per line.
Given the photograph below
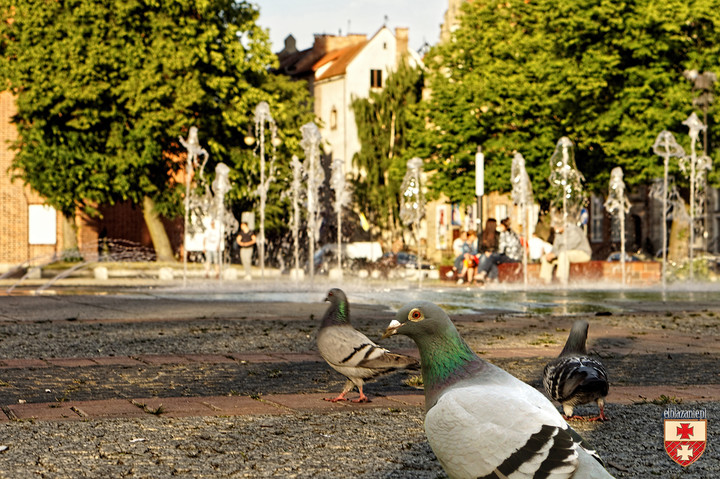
x=470 y=263
x=489 y=240
x=570 y=246
x=537 y=248
x=509 y=250
x=460 y=247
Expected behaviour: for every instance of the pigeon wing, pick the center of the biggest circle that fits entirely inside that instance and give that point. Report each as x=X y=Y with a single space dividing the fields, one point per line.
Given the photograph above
x=568 y=375
x=472 y=436
x=345 y=346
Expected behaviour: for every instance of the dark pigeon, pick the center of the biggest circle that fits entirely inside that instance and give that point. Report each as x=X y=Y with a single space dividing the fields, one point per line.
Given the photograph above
x=574 y=378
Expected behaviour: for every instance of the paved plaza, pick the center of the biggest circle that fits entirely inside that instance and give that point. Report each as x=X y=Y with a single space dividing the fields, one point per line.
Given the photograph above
x=141 y=380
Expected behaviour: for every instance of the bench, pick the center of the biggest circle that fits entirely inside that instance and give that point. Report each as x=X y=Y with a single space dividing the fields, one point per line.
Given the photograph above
x=636 y=272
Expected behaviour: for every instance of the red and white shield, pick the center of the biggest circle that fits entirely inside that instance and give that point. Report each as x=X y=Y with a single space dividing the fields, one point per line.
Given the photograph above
x=685 y=439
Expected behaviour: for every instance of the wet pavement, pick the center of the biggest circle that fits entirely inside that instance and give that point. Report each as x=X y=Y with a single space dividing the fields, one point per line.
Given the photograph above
x=144 y=380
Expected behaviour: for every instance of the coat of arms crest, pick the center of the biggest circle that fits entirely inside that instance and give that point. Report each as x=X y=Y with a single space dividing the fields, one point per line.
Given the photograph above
x=686 y=437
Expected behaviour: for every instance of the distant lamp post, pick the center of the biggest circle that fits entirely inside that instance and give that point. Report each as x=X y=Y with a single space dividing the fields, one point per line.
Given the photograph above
x=262 y=116
x=479 y=186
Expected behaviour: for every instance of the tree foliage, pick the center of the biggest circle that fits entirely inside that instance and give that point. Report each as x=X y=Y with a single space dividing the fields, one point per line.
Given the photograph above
x=518 y=75
x=105 y=88
x=383 y=121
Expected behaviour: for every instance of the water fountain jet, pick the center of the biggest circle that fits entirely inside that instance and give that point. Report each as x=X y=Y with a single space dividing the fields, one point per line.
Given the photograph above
x=566 y=183
x=263 y=116
x=694 y=168
x=666 y=146
x=342 y=199
x=315 y=178
x=617 y=203
x=194 y=151
x=522 y=195
x=412 y=205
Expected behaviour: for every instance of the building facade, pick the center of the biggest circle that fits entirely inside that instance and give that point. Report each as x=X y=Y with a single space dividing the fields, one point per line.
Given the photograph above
x=339 y=69
x=30 y=231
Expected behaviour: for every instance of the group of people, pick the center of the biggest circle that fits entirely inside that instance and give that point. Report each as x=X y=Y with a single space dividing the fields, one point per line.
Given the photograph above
x=477 y=262
x=213 y=246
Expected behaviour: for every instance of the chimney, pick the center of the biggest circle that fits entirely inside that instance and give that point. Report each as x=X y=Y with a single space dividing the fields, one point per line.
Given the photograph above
x=325 y=43
x=401 y=38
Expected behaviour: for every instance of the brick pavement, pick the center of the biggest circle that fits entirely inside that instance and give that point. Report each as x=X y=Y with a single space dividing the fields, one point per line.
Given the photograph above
x=617 y=339
x=274 y=404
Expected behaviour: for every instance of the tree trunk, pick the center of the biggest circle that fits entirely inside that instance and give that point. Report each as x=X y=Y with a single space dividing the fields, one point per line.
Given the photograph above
x=69 y=234
x=159 y=236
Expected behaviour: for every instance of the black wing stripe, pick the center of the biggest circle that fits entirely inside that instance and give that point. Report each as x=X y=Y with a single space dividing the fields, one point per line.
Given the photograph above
x=533 y=445
x=357 y=350
x=562 y=449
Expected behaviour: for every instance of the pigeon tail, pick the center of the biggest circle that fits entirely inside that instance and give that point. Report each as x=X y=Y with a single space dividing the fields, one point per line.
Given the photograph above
x=577 y=338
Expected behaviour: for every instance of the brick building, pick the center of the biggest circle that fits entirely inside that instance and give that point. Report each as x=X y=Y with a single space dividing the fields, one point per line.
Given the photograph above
x=29 y=230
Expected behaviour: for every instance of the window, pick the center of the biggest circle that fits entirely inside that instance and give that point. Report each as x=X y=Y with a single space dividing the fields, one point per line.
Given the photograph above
x=596 y=219
x=333 y=118
x=42 y=224
x=376 y=78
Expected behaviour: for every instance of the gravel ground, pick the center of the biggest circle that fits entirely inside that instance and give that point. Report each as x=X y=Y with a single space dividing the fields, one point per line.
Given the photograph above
x=367 y=443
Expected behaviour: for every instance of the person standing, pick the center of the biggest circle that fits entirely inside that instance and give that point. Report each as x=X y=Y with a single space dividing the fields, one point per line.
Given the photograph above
x=246 y=240
x=570 y=246
x=211 y=248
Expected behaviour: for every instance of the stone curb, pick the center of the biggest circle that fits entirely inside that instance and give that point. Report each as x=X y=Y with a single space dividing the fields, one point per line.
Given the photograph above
x=197 y=406
x=278 y=404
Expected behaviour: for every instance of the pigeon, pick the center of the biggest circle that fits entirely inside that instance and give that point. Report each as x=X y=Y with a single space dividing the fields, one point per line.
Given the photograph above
x=573 y=378
x=482 y=422
x=350 y=352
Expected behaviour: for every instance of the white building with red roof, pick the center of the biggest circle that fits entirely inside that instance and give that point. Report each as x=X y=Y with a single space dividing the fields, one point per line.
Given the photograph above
x=341 y=68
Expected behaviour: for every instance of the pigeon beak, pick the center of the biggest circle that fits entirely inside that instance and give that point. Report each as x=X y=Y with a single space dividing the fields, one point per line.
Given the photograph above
x=392 y=328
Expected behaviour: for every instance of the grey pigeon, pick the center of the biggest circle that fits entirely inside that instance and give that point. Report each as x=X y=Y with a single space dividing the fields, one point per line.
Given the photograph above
x=574 y=378
x=350 y=352
x=482 y=422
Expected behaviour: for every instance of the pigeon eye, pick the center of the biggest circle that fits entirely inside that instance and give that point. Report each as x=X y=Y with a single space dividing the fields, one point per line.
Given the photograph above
x=416 y=315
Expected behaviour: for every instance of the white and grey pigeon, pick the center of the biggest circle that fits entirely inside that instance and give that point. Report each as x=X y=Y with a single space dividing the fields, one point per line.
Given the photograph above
x=482 y=422
x=574 y=378
x=350 y=352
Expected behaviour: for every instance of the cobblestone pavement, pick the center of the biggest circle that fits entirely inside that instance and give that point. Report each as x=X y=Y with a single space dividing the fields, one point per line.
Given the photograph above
x=138 y=385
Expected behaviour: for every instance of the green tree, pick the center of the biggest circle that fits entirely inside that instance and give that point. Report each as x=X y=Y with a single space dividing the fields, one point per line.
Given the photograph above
x=105 y=88
x=383 y=121
x=518 y=75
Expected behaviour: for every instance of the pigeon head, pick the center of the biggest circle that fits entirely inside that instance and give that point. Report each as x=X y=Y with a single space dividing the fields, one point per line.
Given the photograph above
x=445 y=358
x=420 y=320
x=339 y=310
x=576 y=339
